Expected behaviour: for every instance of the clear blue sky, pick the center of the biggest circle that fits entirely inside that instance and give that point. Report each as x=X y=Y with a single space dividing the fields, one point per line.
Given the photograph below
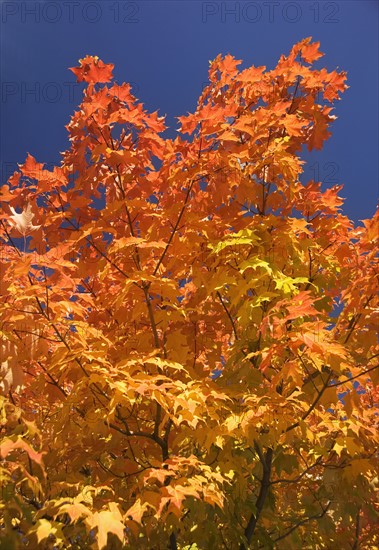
x=163 y=48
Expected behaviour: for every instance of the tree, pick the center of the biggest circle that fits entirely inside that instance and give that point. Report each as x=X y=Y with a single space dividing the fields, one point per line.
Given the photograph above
x=189 y=354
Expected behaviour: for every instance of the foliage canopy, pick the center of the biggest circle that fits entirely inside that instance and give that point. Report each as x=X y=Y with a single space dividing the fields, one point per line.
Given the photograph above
x=188 y=342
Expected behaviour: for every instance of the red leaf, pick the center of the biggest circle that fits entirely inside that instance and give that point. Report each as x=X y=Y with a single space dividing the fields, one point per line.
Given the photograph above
x=92 y=69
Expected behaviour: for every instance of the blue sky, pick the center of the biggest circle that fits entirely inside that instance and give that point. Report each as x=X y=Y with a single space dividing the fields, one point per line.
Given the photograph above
x=163 y=48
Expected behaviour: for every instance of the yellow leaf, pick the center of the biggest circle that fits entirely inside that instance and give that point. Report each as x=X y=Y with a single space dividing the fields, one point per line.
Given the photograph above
x=338 y=447
x=352 y=447
x=136 y=511
x=245 y=236
x=106 y=522
x=287 y=284
x=75 y=511
x=357 y=467
x=254 y=263
x=43 y=529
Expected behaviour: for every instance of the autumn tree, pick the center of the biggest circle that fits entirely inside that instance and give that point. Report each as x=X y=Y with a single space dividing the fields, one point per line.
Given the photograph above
x=188 y=330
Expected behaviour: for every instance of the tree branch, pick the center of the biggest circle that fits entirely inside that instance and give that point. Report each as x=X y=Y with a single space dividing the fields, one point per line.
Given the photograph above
x=311 y=408
x=353 y=377
x=357 y=530
x=300 y=476
x=228 y=314
x=301 y=522
x=266 y=461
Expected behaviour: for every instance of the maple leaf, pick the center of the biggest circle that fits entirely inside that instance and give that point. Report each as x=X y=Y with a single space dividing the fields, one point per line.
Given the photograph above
x=107 y=521
x=137 y=511
x=75 y=510
x=9 y=445
x=5 y=193
x=31 y=168
x=310 y=50
x=23 y=221
x=92 y=69
x=44 y=529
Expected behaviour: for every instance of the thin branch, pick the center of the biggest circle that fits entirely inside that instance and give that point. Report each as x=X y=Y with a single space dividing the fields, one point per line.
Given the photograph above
x=301 y=522
x=53 y=381
x=109 y=471
x=353 y=377
x=266 y=460
x=175 y=227
x=228 y=314
x=357 y=530
x=355 y=319
x=300 y=476
x=311 y=408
